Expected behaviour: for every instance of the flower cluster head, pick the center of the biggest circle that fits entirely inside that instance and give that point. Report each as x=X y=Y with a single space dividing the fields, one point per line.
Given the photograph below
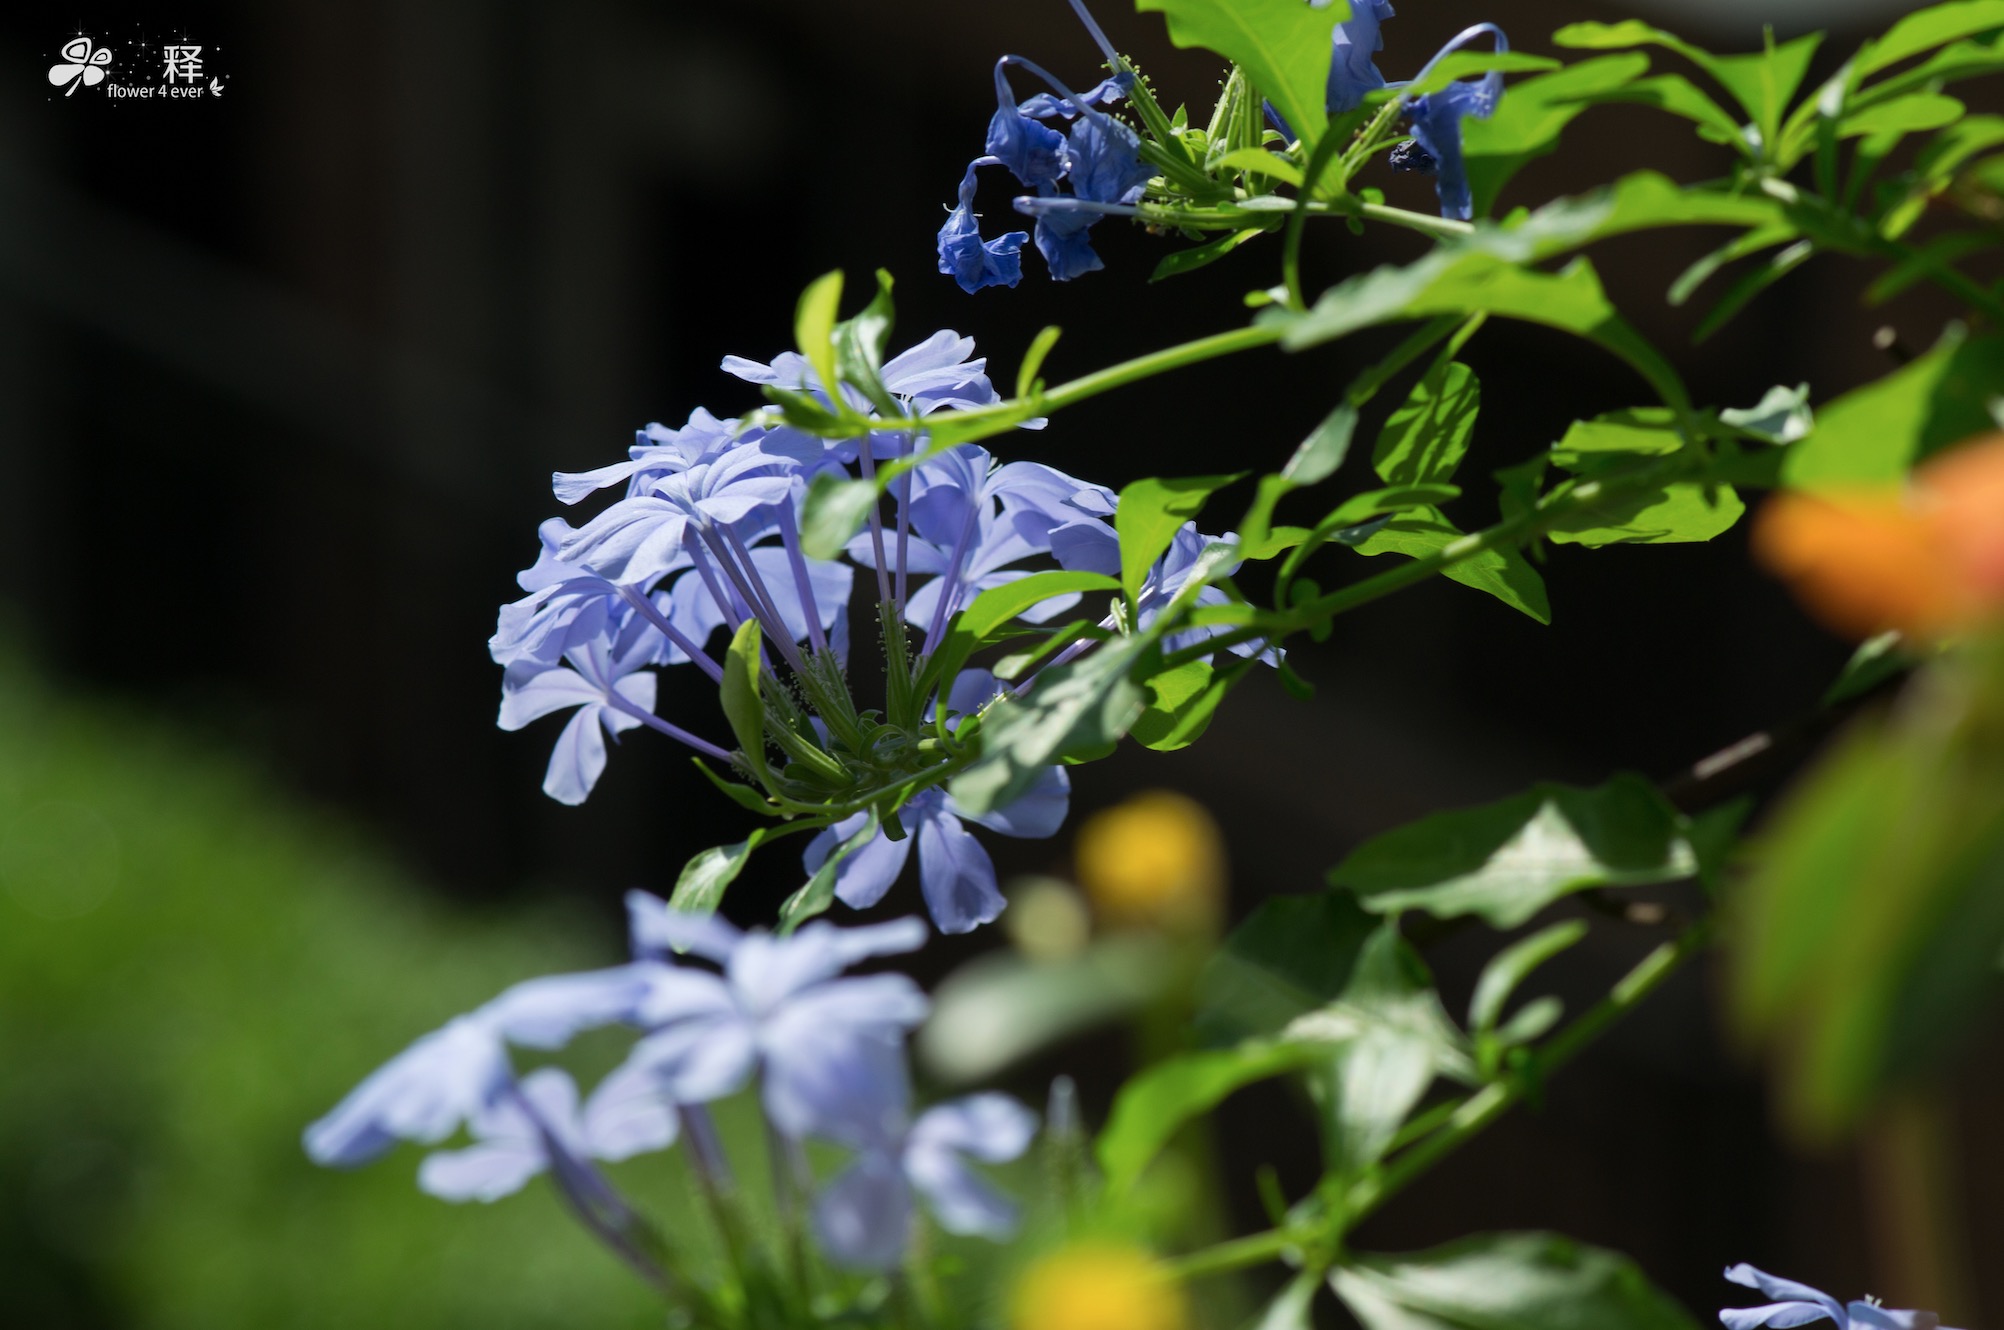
x=706 y=538
x=1080 y=160
x=1798 y=1304
x=825 y=1050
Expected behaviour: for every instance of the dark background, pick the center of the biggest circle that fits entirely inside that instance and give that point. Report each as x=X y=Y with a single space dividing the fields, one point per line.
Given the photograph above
x=286 y=369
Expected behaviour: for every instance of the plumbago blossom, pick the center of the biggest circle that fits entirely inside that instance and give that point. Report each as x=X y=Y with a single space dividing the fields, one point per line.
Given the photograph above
x=1798 y=1304
x=706 y=539
x=825 y=1050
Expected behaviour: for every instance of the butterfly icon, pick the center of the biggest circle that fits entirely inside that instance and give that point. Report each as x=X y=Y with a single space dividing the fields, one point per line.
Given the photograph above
x=84 y=67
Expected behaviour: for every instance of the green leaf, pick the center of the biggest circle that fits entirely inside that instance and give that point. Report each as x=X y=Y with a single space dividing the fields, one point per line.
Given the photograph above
x=1609 y=446
x=1290 y=1308
x=1873 y=663
x=833 y=512
x=819 y=893
x=1505 y=1281
x=1259 y=161
x=1082 y=705
x=1284 y=47
x=1314 y=460
x=1866 y=938
x=1504 y=574
x=1201 y=256
x=1504 y=862
x=1033 y=359
x=1464 y=278
x=1762 y=83
x=1182 y=702
x=859 y=347
x=1292 y=955
x=1511 y=966
x=1926 y=29
x=700 y=888
x=1678 y=96
x=736 y=791
x=1782 y=415
x=1150 y=513
x=814 y=330
x=1389 y=1036
x=1529 y=121
x=1426 y=438
x=995 y=607
x=1003 y=1006
x=1471 y=64
x=1910 y=114
x=1153 y=1106
x=1874 y=435
x=742 y=707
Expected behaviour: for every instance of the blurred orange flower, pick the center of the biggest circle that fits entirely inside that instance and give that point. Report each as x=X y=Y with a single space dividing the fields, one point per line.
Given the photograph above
x=1927 y=560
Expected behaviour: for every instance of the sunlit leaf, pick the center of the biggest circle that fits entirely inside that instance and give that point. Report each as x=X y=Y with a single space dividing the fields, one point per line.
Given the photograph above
x=1284 y=47
x=1505 y=1281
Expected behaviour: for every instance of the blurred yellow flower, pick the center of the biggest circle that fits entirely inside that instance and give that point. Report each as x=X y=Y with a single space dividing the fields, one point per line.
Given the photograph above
x=1156 y=860
x=1928 y=561
x=1099 y=1287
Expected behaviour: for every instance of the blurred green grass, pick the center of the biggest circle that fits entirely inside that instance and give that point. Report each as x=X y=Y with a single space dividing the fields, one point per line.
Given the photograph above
x=192 y=968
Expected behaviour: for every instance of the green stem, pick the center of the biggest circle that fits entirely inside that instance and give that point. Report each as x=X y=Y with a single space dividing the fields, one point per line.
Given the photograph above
x=1467 y=1120
x=1505 y=534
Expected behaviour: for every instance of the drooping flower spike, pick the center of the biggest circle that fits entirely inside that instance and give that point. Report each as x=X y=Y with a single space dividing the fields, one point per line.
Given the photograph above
x=1436 y=123
x=1798 y=1304
x=1098 y=160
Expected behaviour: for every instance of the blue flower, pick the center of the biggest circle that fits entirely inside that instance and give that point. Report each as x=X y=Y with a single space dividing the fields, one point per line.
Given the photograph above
x=1034 y=153
x=966 y=257
x=457 y=1071
x=540 y=1126
x=1798 y=1304
x=863 y=1217
x=956 y=875
x=1436 y=121
x=1352 y=72
x=777 y=1008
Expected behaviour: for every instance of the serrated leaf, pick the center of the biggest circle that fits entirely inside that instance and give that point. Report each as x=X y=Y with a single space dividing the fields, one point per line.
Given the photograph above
x=1504 y=862
x=1506 y=1281
x=1426 y=438
x=1284 y=46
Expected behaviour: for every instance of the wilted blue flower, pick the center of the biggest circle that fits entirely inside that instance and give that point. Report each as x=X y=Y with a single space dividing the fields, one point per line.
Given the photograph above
x=966 y=257
x=539 y=1125
x=1798 y=1304
x=956 y=875
x=863 y=1217
x=779 y=1003
x=1436 y=121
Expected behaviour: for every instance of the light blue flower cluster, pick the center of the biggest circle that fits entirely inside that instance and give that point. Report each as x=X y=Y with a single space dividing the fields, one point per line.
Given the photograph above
x=1098 y=160
x=1798 y=1304
x=825 y=1051
x=707 y=537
